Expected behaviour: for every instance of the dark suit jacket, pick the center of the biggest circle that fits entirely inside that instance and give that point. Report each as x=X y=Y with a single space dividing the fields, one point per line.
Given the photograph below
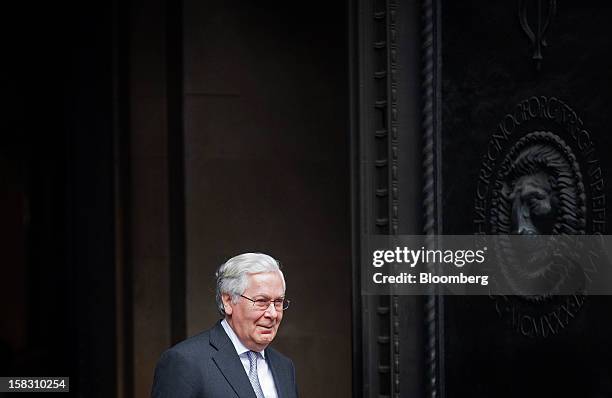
x=207 y=366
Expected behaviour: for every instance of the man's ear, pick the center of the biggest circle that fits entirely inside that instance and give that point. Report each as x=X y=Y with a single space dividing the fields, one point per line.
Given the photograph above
x=227 y=303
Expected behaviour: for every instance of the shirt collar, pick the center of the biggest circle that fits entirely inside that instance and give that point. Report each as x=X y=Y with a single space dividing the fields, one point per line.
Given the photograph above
x=240 y=348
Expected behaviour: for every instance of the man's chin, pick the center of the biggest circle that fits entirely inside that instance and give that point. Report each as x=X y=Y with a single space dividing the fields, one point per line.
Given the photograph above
x=266 y=337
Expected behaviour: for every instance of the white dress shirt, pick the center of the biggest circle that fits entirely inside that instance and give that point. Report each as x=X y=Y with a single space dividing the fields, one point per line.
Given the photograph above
x=263 y=370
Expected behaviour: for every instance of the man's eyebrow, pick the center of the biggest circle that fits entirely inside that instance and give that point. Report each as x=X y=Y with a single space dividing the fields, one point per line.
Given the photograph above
x=263 y=296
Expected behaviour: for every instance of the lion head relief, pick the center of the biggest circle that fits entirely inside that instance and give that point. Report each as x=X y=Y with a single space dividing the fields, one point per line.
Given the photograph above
x=538 y=191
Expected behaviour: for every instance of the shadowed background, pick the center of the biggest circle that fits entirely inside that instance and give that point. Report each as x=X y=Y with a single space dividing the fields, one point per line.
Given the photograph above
x=147 y=143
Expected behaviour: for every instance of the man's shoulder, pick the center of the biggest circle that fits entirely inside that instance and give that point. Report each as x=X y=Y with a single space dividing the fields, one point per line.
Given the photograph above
x=182 y=368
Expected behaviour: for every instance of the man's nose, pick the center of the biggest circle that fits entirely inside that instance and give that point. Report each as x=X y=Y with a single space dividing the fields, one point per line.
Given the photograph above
x=271 y=311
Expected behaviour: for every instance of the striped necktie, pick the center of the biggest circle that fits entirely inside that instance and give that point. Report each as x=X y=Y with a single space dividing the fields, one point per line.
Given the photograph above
x=253 y=373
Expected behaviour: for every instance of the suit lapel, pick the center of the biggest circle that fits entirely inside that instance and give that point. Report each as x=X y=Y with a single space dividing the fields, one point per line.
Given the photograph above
x=229 y=363
x=281 y=376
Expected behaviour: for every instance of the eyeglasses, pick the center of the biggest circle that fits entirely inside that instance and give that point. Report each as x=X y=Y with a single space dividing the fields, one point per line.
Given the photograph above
x=264 y=304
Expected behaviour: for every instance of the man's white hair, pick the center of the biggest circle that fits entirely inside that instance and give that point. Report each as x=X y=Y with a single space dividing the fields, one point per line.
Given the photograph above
x=232 y=276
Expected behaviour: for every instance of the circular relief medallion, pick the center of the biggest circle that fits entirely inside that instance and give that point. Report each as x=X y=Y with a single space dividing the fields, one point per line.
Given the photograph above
x=540 y=177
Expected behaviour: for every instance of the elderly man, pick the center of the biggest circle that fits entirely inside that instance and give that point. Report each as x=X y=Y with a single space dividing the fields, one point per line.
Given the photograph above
x=233 y=358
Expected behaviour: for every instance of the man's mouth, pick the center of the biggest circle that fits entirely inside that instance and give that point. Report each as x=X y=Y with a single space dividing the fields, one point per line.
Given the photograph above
x=267 y=328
